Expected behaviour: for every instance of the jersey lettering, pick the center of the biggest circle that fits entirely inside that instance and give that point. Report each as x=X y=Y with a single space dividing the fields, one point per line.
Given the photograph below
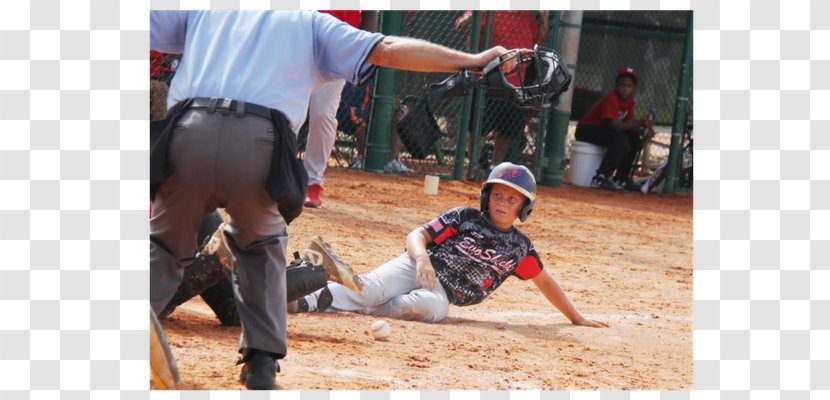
x=470 y=247
x=472 y=257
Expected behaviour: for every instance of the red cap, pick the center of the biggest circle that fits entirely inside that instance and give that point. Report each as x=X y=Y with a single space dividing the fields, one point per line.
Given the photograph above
x=628 y=71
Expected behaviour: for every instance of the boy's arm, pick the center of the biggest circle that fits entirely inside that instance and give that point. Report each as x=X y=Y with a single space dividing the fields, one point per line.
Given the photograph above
x=548 y=286
x=416 y=246
x=634 y=125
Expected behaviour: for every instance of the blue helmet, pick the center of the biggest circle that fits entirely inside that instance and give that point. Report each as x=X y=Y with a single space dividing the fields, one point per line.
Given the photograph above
x=517 y=177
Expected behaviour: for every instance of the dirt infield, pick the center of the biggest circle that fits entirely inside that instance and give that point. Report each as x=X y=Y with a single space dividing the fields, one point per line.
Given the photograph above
x=624 y=258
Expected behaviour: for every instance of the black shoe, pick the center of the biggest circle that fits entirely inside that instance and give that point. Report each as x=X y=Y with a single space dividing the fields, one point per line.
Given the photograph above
x=299 y=306
x=628 y=185
x=324 y=300
x=603 y=182
x=260 y=371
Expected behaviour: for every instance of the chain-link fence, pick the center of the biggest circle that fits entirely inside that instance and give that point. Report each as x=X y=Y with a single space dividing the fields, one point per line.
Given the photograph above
x=649 y=41
x=504 y=131
x=426 y=135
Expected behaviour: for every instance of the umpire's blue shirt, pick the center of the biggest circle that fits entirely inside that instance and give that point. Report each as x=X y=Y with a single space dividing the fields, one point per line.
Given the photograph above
x=271 y=58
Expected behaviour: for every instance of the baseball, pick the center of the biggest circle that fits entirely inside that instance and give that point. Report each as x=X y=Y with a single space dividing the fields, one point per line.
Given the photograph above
x=381 y=330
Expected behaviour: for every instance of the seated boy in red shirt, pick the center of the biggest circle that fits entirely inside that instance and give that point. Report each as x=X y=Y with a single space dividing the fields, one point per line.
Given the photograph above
x=610 y=123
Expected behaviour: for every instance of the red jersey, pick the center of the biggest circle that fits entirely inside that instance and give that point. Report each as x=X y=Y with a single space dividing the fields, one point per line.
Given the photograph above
x=512 y=30
x=609 y=106
x=158 y=64
x=351 y=17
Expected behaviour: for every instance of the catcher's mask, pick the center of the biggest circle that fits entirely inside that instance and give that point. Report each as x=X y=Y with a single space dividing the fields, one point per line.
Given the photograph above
x=542 y=82
x=515 y=176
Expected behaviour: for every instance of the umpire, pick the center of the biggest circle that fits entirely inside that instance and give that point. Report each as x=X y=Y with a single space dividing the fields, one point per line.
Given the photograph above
x=240 y=93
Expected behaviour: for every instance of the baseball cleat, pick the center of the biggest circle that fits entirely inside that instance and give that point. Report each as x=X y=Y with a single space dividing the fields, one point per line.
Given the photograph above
x=320 y=253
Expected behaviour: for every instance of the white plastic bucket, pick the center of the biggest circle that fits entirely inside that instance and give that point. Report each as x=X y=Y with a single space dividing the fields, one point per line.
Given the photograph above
x=431 y=184
x=585 y=159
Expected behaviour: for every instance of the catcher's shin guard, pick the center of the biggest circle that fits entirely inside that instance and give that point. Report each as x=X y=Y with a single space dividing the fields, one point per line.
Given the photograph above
x=304 y=280
x=203 y=273
x=301 y=280
x=221 y=300
x=212 y=265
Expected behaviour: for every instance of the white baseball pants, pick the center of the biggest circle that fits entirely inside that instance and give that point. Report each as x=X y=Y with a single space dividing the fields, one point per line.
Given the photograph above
x=322 y=129
x=390 y=291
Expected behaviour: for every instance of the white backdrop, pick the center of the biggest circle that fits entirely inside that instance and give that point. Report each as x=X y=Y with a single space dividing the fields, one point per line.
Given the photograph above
x=73 y=209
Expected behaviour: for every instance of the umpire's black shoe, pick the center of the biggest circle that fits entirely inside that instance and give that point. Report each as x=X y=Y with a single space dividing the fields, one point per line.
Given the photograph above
x=260 y=371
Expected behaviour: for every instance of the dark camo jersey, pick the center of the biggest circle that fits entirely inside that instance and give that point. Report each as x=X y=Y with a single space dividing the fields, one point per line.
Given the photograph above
x=472 y=257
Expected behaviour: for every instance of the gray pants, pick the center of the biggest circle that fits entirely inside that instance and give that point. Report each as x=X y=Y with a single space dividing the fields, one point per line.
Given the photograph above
x=390 y=291
x=221 y=160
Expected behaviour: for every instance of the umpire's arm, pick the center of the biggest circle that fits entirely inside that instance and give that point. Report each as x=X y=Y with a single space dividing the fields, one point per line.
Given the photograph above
x=422 y=56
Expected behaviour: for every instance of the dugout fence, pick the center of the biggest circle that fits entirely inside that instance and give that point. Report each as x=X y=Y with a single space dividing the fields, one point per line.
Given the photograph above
x=390 y=125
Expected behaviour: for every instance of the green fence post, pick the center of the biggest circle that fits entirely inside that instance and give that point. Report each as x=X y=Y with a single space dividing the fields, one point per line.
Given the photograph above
x=541 y=159
x=680 y=110
x=478 y=110
x=380 y=127
x=466 y=106
x=557 y=128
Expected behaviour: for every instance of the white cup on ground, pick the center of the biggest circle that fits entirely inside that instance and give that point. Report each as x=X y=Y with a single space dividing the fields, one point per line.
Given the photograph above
x=431 y=184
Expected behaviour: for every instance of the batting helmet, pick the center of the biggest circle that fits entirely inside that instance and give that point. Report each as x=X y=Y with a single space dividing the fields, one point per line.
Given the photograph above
x=517 y=177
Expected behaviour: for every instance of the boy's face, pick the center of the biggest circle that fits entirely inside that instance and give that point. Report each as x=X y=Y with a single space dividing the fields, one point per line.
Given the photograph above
x=624 y=87
x=505 y=205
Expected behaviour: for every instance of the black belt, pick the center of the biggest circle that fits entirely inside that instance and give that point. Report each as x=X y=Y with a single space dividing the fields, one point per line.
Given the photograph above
x=226 y=106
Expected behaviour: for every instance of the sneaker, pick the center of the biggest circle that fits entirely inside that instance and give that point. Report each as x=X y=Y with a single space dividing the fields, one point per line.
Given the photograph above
x=603 y=182
x=298 y=306
x=397 y=166
x=628 y=185
x=357 y=163
x=320 y=253
x=260 y=371
x=312 y=197
x=324 y=301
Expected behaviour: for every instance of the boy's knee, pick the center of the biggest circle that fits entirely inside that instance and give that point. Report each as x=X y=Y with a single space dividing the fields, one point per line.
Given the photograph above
x=426 y=309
